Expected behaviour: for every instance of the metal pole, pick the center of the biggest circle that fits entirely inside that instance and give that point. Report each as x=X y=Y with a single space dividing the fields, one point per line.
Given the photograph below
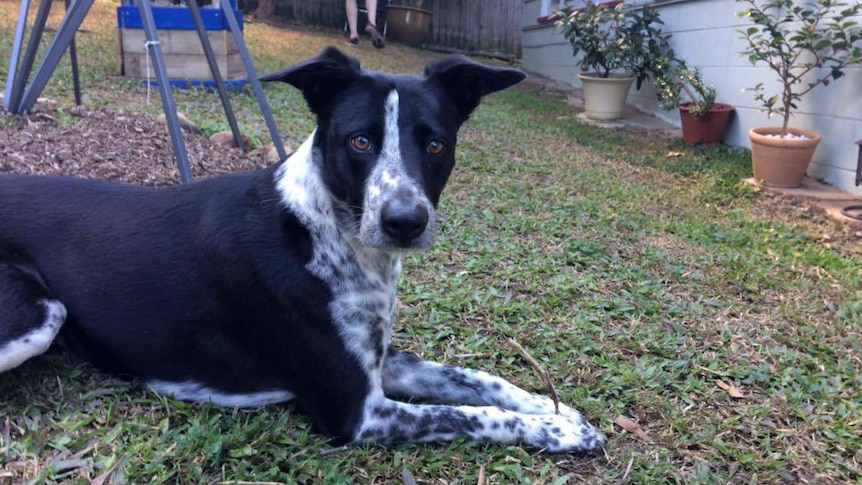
x=68 y=26
x=11 y=94
x=73 y=56
x=155 y=52
x=26 y=66
x=859 y=164
x=216 y=73
x=251 y=77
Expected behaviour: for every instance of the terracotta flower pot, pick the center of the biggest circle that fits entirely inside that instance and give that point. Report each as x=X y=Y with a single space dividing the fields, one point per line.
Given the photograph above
x=707 y=129
x=605 y=98
x=781 y=162
x=407 y=25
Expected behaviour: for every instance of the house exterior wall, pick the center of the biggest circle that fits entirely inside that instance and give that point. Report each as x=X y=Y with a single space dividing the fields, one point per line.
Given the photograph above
x=704 y=34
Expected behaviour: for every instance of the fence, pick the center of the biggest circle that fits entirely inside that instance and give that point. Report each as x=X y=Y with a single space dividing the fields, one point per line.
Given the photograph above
x=487 y=26
x=478 y=26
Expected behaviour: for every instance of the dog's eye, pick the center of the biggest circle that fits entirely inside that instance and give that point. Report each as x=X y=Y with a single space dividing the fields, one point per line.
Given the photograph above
x=436 y=147
x=360 y=143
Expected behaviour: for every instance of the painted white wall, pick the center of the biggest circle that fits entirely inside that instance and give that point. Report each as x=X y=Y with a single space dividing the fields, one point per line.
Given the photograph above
x=704 y=34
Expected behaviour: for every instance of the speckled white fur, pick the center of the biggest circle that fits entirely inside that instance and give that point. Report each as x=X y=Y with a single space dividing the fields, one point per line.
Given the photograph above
x=35 y=342
x=192 y=391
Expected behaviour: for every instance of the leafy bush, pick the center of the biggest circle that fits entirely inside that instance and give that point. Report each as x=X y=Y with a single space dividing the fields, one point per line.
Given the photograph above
x=806 y=44
x=677 y=77
x=614 y=39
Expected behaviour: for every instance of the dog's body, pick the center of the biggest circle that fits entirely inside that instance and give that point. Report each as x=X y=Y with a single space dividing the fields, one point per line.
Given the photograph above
x=279 y=284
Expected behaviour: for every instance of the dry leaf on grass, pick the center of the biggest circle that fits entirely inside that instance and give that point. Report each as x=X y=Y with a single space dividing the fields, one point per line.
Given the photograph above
x=731 y=390
x=632 y=427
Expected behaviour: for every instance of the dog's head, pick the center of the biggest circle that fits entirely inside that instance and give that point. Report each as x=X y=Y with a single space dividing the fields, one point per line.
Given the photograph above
x=386 y=142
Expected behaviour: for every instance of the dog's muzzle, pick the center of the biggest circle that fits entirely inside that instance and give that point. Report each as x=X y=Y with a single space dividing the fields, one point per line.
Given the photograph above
x=403 y=218
x=396 y=213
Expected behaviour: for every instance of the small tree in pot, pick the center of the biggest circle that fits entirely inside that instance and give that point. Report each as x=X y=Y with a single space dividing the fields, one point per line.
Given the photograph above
x=618 y=45
x=806 y=46
x=702 y=119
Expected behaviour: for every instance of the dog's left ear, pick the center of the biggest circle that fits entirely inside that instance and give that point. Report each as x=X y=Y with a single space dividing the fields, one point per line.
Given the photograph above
x=320 y=77
x=467 y=81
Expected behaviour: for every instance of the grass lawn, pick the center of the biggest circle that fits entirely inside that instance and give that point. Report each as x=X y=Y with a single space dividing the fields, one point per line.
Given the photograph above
x=724 y=323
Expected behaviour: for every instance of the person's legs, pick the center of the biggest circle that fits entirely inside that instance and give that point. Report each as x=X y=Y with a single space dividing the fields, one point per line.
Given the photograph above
x=376 y=37
x=371 y=5
x=352 y=19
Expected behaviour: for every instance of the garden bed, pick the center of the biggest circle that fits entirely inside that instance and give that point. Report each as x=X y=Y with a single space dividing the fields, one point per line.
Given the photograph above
x=99 y=143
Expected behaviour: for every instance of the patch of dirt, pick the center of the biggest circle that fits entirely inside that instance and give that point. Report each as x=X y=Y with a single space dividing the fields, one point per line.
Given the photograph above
x=797 y=211
x=97 y=143
x=546 y=87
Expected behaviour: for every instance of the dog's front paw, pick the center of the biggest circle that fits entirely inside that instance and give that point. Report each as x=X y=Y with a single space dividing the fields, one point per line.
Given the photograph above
x=569 y=434
x=556 y=433
x=562 y=429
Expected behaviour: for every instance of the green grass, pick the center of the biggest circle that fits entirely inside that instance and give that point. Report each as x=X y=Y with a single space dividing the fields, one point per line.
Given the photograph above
x=639 y=281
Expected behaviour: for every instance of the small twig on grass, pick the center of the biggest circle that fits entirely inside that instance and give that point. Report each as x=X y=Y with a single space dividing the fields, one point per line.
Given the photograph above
x=58 y=466
x=540 y=371
x=104 y=477
x=250 y=483
x=332 y=451
x=716 y=372
x=628 y=470
x=7 y=437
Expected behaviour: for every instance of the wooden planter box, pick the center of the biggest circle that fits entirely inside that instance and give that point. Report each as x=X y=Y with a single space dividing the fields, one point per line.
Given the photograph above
x=181 y=47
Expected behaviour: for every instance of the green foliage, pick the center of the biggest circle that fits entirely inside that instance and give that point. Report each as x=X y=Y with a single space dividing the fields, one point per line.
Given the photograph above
x=806 y=44
x=613 y=39
x=675 y=77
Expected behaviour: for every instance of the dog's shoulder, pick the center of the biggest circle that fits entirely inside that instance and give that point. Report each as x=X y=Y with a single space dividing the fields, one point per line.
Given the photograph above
x=301 y=189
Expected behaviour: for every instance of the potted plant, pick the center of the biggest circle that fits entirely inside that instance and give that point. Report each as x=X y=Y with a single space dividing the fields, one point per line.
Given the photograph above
x=407 y=22
x=618 y=46
x=806 y=45
x=702 y=119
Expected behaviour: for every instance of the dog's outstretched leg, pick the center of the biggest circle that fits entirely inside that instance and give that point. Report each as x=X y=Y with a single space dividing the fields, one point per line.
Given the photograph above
x=389 y=421
x=29 y=317
x=407 y=376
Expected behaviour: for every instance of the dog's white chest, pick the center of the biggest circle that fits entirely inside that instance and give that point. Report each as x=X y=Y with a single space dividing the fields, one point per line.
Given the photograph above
x=362 y=280
x=363 y=305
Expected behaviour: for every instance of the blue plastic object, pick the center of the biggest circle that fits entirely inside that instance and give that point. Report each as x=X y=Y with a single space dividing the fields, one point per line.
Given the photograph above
x=175 y=17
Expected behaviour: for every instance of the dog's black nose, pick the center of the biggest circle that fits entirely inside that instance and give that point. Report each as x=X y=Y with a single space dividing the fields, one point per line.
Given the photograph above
x=403 y=220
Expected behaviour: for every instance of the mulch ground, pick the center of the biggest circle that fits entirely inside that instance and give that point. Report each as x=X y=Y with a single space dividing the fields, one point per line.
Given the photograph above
x=98 y=143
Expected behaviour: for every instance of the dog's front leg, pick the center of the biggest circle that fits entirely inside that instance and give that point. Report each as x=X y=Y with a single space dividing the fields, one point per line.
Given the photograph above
x=407 y=376
x=390 y=421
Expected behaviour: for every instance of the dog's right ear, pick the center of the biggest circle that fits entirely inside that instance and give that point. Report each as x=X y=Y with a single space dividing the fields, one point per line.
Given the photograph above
x=319 y=77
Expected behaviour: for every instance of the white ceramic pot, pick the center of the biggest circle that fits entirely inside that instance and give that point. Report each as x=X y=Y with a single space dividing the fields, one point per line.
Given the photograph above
x=605 y=97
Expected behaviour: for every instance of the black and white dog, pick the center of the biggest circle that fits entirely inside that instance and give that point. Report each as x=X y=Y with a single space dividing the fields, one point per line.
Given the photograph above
x=279 y=284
